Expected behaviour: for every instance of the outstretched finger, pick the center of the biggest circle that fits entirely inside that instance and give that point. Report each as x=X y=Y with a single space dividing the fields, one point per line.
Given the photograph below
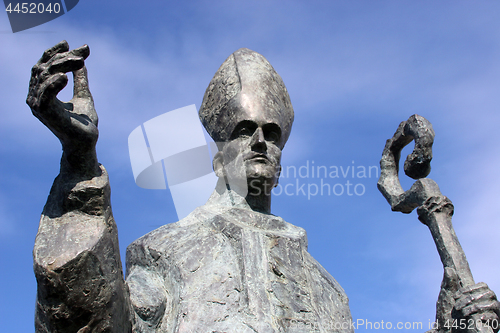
x=80 y=78
x=49 y=53
x=81 y=84
x=66 y=64
x=82 y=51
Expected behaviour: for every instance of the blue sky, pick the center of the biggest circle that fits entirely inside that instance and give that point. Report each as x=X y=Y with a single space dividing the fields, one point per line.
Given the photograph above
x=354 y=71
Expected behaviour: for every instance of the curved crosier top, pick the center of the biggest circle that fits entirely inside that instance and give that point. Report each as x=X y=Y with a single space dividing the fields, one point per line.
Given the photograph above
x=245 y=85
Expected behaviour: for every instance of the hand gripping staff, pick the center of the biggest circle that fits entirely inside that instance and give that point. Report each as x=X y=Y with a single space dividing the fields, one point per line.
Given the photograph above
x=434 y=209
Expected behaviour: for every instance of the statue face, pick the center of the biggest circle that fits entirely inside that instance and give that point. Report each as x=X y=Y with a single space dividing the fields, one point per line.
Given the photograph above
x=253 y=152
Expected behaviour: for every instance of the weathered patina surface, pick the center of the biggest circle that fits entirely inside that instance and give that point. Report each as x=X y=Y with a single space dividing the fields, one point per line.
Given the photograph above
x=230 y=266
x=461 y=303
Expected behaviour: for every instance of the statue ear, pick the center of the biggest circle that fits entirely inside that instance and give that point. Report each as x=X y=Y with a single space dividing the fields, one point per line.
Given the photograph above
x=218 y=164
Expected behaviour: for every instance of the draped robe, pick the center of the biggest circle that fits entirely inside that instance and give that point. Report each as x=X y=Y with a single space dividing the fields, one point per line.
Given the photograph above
x=231 y=270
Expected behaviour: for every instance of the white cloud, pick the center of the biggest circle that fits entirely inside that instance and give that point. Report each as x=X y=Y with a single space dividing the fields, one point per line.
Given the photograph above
x=349 y=62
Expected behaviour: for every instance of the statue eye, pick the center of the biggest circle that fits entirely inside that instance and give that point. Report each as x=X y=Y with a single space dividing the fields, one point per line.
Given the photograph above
x=272 y=136
x=245 y=131
x=272 y=133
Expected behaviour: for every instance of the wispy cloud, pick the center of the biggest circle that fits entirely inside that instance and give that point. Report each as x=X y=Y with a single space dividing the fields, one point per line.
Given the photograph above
x=354 y=71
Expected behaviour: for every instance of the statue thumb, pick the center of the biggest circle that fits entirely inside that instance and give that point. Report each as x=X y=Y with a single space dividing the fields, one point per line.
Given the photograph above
x=450 y=280
x=446 y=300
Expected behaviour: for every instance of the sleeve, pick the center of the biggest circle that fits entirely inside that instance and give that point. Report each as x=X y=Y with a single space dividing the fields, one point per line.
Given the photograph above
x=148 y=299
x=77 y=263
x=154 y=283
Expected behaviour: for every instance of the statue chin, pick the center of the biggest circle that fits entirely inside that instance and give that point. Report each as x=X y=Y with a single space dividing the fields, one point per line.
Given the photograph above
x=264 y=172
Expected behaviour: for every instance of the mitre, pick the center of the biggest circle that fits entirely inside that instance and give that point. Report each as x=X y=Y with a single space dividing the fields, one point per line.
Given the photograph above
x=245 y=85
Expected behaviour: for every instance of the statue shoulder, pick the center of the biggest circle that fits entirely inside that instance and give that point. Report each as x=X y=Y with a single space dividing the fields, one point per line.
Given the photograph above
x=165 y=237
x=320 y=274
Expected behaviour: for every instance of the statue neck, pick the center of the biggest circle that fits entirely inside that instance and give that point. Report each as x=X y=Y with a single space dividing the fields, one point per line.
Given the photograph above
x=251 y=198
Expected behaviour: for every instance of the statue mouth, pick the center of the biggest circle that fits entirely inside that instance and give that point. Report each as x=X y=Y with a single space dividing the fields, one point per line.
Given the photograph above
x=258 y=157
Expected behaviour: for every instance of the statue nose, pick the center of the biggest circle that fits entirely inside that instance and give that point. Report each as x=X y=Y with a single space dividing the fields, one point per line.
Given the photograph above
x=258 y=141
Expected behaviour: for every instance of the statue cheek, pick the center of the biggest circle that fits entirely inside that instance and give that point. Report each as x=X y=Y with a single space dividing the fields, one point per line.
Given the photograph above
x=236 y=148
x=275 y=154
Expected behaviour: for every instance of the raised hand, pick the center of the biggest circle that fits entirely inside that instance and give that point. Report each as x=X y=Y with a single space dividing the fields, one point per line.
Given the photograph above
x=73 y=122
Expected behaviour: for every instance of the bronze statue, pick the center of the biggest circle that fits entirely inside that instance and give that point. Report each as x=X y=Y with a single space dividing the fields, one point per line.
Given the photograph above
x=230 y=266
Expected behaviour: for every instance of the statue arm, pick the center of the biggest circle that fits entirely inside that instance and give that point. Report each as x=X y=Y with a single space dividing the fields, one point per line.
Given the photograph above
x=76 y=255
x=148 y=300
x=463 y=305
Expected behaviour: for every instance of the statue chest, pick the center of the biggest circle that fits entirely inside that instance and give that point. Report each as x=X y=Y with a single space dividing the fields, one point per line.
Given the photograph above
x=231 y=277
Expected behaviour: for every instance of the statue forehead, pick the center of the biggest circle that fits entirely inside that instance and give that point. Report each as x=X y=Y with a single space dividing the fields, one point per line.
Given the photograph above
x=254 y=109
